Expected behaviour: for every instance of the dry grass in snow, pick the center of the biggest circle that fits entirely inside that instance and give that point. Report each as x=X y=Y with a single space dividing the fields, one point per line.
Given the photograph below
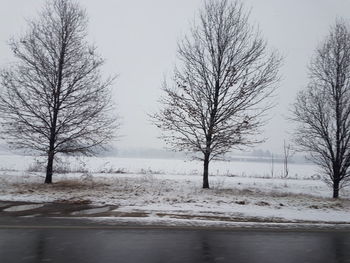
x=160 y=194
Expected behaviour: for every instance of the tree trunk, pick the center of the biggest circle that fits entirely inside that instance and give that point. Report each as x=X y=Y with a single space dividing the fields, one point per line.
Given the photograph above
x=49 y=168
x=336 y=188
x=206 y=172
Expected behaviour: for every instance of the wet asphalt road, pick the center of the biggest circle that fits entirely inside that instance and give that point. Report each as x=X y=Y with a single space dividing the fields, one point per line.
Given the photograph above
x=49 y=243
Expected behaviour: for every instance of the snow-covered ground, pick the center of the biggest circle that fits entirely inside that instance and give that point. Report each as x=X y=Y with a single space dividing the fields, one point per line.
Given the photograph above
x=163 y=166
x=161 y=189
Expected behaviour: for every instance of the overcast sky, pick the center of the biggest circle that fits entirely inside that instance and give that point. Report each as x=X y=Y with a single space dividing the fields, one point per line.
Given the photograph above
x=139 y=38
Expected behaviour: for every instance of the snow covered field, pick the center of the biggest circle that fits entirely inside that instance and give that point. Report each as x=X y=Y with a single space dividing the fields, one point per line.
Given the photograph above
x=162 y=166
x=164 y=188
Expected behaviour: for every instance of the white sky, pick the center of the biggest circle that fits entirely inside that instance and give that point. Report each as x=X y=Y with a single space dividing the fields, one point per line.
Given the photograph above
x=138 y=40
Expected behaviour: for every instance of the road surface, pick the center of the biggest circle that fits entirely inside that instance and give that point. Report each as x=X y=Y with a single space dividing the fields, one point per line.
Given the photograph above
x=88 y=243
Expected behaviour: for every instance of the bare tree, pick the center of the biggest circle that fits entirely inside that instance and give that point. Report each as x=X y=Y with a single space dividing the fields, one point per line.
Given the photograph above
x=322 y=111
x=53 y=99
x=287 y=153
x=221 y=87
x=272 y=165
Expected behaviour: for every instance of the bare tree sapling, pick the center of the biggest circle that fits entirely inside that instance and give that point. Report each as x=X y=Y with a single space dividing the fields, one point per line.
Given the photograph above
x=287 y=153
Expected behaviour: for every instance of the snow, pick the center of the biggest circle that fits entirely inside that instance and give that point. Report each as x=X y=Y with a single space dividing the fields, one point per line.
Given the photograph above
x=186 y=223
x=170 y=190
x=164 y=166
x=91 y=211
x=19 y=208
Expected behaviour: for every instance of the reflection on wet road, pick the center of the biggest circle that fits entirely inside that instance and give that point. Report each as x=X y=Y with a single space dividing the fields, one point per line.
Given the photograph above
x=164 y=245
